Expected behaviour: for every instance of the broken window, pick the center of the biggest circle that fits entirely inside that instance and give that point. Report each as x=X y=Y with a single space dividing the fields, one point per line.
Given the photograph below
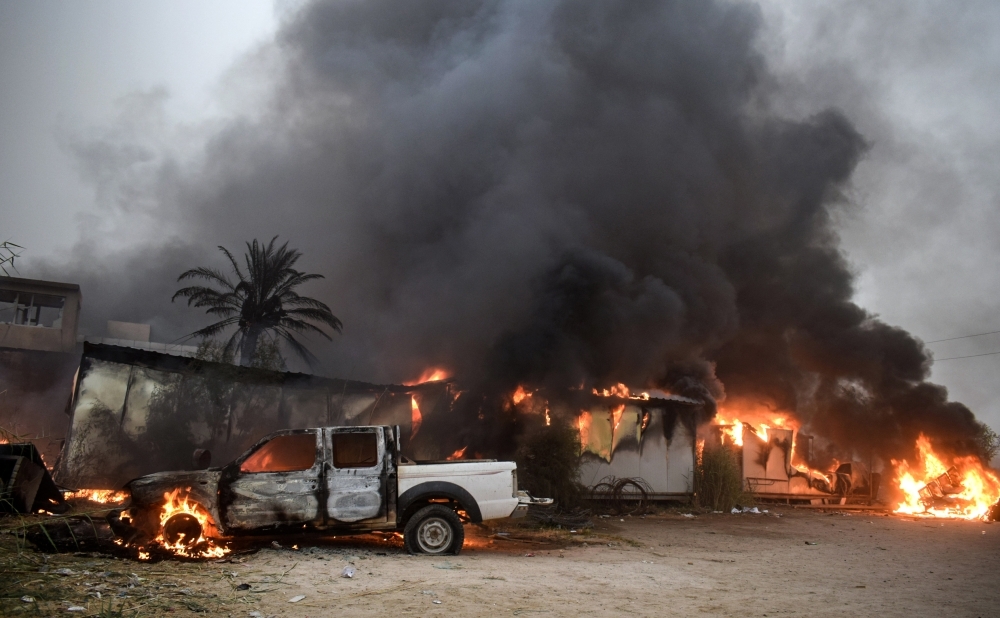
x=283 y=454
x=355 y=450
x=31 y=309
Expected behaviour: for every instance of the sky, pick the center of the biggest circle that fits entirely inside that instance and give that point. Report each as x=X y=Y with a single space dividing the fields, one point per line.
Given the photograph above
x=150 y=82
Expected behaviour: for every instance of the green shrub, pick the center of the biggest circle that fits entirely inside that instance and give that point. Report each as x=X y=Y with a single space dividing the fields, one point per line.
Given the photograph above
x=720 y=480
x=548 y=463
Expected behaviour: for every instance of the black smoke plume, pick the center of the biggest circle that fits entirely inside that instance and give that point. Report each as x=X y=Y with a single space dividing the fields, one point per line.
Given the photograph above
x=560 y=194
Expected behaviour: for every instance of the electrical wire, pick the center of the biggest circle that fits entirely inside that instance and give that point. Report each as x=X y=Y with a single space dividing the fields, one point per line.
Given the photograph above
x=937 y=360
x=992 y=332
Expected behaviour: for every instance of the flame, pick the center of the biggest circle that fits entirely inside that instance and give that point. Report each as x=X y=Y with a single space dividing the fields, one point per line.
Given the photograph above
x=432 y=374
x=963 y=490
x=583 y=422
x=548 y=419
x=173 y=505
x=416 y=419
x=616 y=414
x=732 y=420
x=620 y=390
x=519 y=395
x=100 y=496
x=457 y=454
x=733 y=430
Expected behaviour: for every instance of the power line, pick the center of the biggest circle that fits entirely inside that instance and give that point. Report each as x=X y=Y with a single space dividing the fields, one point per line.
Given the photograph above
x=992 y=332
x=936 y=360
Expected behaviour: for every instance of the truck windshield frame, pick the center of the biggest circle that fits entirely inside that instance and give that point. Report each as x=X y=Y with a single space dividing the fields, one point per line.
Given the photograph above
x=355 y=449
x=287 y=453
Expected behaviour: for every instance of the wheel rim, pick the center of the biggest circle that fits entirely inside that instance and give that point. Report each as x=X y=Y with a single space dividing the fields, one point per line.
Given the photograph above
x=434 y=535
x=183 y=528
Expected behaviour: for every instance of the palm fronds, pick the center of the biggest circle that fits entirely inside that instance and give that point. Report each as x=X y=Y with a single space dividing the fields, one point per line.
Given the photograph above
x=259 y=298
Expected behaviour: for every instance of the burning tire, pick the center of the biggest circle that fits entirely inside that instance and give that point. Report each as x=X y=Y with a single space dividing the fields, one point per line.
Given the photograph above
x=182 y=529
x=434 y=530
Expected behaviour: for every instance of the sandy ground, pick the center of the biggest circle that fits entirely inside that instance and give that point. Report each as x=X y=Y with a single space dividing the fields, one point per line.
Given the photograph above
x=799 y=563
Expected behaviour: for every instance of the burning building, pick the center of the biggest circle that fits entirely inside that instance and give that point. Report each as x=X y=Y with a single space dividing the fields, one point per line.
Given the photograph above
x=652 y=438
x=552 y=196
x=135 y=411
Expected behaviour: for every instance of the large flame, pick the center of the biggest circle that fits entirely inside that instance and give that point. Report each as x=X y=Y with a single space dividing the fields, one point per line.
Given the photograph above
x=431 y=374
x=961 y=489
x=732 y=420
x=203 y=546
x=734 y=417
x=100 y=496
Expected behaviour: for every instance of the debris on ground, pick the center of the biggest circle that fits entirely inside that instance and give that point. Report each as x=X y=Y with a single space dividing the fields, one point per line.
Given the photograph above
x=747 y=509
x=547 y=516
x=25 y=484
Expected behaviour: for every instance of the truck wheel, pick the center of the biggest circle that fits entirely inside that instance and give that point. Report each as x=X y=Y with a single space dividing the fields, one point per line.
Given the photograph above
x=435 y=530
x=183 y=529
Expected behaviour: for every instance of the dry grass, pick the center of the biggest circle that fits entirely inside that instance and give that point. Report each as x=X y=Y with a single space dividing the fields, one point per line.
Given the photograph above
x=42 y=584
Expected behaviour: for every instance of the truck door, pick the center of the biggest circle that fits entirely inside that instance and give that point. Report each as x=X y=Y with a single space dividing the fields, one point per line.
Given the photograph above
x=275 y=483
x=356 y=475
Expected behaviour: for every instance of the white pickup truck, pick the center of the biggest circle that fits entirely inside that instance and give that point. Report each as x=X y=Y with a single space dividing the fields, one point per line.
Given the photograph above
x=331 y=480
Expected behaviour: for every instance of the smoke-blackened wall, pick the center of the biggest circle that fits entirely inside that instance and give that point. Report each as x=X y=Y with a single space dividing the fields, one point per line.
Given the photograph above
x=557 y=193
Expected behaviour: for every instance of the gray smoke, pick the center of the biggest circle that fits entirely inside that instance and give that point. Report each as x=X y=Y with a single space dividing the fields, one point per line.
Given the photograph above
x=556 y=193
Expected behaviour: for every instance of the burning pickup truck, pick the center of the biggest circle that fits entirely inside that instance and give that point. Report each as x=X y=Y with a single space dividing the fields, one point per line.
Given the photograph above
x=334 y=480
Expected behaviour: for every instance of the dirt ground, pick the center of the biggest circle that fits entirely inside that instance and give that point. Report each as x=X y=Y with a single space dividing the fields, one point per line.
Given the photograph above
x=788 y=562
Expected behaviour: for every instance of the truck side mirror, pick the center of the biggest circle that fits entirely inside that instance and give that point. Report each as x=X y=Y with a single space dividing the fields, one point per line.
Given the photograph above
x=202 y=459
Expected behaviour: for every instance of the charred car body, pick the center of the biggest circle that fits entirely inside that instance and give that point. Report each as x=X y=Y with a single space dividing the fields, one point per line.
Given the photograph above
x=329 y=480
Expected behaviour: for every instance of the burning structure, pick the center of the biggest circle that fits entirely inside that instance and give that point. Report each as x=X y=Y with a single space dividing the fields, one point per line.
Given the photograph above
x=544 y=198
x=135 y=412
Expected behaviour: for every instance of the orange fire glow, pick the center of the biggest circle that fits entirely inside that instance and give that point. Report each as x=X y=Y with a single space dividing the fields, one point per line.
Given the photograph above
x=758 y=418
x=206 y=548
x=733 y=419
x=519 y=395
x=431 y=374
x=416 y=419
x=100 y=496
x=457 y=454
x=620 y=390
x=961 y=489
x=583 y=422
x=616 y=415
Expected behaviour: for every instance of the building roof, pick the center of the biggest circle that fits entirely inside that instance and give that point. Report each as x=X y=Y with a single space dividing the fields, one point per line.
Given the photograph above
x=20 y=282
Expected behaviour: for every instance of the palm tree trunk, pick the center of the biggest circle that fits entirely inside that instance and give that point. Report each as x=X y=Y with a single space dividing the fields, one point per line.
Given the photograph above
x=249 y=345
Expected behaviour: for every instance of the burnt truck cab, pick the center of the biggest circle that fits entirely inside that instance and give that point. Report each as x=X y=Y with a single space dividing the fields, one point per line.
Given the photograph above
x=332 y=479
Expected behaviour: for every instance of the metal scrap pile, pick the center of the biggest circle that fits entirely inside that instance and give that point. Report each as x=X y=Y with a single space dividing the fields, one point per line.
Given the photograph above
x=25 y=484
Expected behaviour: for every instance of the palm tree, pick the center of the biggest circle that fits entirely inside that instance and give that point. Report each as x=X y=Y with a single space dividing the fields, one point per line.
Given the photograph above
x=262 y=300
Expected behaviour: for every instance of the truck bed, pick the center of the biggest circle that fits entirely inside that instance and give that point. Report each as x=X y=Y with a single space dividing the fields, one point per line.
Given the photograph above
x=478 y=477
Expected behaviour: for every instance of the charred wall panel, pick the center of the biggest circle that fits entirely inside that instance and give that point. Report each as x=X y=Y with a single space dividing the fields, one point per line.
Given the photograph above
x=136 y=412
x=652 y=443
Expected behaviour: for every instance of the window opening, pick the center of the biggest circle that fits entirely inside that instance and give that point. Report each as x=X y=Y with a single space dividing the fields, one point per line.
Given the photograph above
x=355 y=450
x=31 y=309
x=283 y=454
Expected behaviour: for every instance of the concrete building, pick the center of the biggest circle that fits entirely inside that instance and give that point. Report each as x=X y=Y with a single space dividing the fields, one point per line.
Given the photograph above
x=39 y=356
x=39 y=315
